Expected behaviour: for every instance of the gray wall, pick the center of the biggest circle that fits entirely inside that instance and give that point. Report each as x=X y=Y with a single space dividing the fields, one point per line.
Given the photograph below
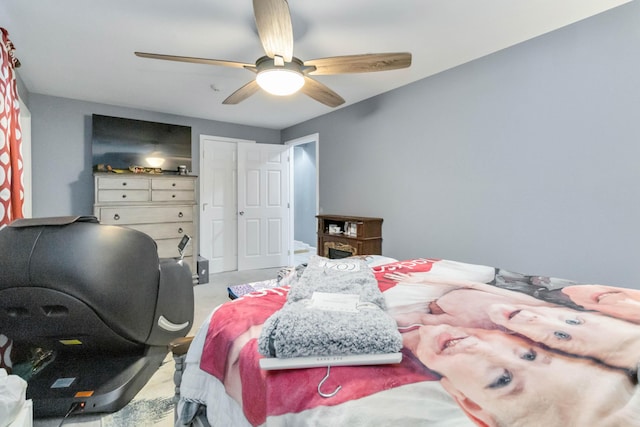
x=304 y=166
x=61 y=148
x=528 y=159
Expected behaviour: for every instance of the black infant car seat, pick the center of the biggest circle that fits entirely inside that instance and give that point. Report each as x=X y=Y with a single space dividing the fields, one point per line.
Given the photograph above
x=91 y=308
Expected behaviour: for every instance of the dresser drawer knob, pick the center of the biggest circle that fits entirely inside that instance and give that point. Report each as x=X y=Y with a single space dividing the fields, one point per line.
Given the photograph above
x=180 y=214
x=124 y=184
x=124 y=196
x=173 y=184
x=173 y=196
x=116 y=217
x=180 y=230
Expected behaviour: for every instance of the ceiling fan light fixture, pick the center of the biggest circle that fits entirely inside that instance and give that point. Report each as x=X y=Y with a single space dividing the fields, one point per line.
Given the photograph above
x=280 y=73
x=280 y=81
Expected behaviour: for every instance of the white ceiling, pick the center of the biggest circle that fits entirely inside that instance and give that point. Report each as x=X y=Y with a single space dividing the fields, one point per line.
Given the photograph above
x=83 y=49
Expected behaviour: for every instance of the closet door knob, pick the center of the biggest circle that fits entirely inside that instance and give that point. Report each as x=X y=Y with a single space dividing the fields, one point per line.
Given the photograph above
x=116 y=217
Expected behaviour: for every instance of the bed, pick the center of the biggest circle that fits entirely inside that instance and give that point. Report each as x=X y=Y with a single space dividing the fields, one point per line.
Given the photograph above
x=471 y=345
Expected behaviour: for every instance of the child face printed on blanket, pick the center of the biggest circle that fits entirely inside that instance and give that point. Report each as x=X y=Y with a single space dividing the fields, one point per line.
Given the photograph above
x=501 y=379
x=618 y=302
x=420 y=299
x=613 y=341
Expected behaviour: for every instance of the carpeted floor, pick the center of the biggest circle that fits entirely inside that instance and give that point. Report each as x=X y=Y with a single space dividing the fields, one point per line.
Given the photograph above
x=153 y=405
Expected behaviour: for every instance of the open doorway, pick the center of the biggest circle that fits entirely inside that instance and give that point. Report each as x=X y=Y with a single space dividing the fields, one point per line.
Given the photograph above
x=304 y=191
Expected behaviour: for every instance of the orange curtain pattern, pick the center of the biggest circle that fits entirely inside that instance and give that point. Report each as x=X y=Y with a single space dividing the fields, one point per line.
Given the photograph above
x=11 y=167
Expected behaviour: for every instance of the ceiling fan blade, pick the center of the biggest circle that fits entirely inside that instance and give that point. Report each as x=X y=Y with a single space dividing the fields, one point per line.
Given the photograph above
x=321 y=93
x=194 y=60
x=243 y=93
x=273 y=21
x=366 y=63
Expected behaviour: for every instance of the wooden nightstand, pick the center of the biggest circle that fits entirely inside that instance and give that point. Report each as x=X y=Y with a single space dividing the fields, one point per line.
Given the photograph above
x=342 y=236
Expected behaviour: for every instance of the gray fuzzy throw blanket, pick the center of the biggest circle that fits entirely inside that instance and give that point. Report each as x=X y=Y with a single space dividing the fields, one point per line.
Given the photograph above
x=335 y=308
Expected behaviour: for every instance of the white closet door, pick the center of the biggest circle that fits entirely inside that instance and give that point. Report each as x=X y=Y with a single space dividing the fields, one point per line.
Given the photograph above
x=218 y=213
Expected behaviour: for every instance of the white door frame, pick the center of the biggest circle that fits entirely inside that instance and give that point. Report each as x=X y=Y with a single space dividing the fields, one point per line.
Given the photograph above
x=314 y=137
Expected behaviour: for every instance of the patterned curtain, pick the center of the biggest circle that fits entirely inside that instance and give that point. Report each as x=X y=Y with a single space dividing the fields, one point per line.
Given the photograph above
x=11 y=184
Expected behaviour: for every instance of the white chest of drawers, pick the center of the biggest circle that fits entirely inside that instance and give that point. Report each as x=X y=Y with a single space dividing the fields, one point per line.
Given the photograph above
x=162 y=206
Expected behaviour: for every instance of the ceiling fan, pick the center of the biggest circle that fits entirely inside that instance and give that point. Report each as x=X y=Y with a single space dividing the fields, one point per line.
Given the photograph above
x=281 y=73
